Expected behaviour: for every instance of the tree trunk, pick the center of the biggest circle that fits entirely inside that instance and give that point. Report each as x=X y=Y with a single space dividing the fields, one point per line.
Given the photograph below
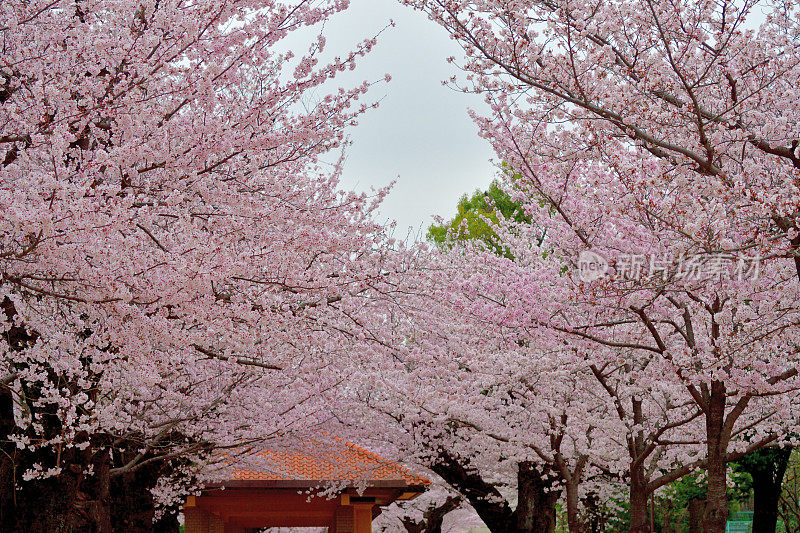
x=575 y=521
x=716 y=501
x=72 y=502
x=8 y=463
x=487 y=501
x=767 y=471
x=537 y=499
x=696 y=514
x=716 y=445
x=433 y=517
x=596 y=513
x=69 y=501
x=765 y=505
x=50 y=506
x=132 y=505
x=667 y=526
x=99 y=509
x=639 y=497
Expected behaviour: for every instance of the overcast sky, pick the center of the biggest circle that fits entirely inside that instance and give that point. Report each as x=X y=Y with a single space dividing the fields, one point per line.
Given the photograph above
x=420 y=135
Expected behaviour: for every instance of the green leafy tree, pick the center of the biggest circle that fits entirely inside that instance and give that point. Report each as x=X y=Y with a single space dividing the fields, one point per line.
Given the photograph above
x=789 y=507
x=475 y=219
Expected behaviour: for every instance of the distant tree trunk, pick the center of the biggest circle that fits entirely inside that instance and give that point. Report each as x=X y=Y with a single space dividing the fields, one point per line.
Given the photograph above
x=667 y=526
x=696 y=514
x=767 y=468
x=595 y=512
x=537 y=499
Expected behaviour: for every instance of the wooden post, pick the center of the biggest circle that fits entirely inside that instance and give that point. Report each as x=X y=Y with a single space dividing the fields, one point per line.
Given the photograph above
x=343 y=521
x=194 y=519
x=216 y=524
x=362 y=517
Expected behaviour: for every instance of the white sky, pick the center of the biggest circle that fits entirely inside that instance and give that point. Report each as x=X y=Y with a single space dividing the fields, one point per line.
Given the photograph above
x=420 y=135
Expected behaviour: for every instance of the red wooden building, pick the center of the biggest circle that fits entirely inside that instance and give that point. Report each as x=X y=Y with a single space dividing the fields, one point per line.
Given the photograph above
x=280 y=488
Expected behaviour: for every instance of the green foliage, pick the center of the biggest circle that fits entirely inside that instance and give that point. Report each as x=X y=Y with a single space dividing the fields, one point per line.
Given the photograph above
x=475 y=217
x=620 y=519
x=764 y=460
x=789 y=506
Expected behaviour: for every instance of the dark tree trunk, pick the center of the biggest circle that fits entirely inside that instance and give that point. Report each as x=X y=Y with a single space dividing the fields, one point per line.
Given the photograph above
x=639 y=497
x=433 y=517
x=767 y=468
x=72 y=502
x=575 y=521
x=597 y=515
x=99 y=509
x=766 y=495
x=716 y=516
x=537 y=498
x=8 y=454
x=696 y=514
x=50 y=505
x=132 y=505
x=487 y=501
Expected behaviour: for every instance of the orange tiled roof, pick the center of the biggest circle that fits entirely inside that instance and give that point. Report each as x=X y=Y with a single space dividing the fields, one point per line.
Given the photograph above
x=338 y=461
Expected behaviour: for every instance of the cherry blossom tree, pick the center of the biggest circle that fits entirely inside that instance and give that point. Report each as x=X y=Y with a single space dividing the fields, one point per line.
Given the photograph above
x=480 y=401
x=179 y=273
x=656 y=141
x=496 y=419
